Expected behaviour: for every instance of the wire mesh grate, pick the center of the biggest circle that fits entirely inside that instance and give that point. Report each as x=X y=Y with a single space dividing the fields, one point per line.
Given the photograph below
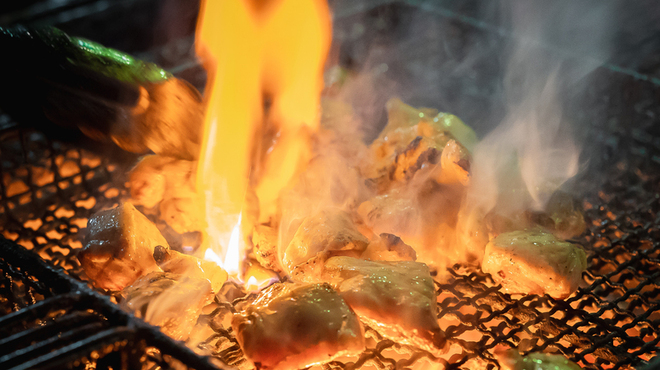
x=50 y=188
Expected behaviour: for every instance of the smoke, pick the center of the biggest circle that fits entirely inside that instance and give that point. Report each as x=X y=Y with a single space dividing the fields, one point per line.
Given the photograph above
x=531 y=153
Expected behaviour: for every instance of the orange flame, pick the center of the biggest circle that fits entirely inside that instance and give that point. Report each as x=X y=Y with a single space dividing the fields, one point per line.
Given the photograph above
x=253 y=48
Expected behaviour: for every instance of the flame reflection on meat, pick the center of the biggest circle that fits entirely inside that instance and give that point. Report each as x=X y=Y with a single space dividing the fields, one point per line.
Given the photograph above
x=252 y=48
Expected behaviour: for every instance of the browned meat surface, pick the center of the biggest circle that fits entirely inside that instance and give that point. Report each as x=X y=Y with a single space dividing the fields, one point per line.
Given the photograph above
x=397 y=299
x=534 y=262
x=171 y=301
x=388 y=247
x=291 y=326
x=170 y=184
x=415 y=139
x=264 y=240
x=119 y=247
x=190 y=266
x=512 y=360
x=424 y=218
x=330 y=232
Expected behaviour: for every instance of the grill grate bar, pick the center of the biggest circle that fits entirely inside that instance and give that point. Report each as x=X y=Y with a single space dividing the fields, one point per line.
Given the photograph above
x=116 y=337
x=83 y=337
x=44 y=346
x=11 y=323
x=25 y=338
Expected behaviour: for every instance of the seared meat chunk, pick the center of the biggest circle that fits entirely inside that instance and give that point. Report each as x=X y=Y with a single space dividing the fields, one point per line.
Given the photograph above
x=264 y=240
x=168 y=182
x=534 y=262
x=388 y=247
x=183 y=215
x=414 y=139
x=119 y=247
x=330 y=232
x=190 y=266
x=291 y=326
x=171 y=301
x=147 y=181
x=424 y=217
x=397 y=299
x=512 y=360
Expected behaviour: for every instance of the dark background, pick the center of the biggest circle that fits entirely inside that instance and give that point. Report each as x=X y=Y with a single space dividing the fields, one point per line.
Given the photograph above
x=450 y=55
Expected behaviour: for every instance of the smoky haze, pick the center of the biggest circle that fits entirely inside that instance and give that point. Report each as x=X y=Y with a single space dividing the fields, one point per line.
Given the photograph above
x=506 y=68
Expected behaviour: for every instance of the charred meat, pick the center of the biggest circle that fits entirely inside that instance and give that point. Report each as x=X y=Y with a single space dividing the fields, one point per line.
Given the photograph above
x=119 y=247
x=534 y=262
x=397 y=299
x=291 y=326
x=171 y=301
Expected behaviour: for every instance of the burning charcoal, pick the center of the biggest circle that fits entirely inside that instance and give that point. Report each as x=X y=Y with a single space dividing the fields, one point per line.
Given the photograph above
x=397 y=299
x=512 y=360
x=290 y=326
x=119 y=247
x=534 y=262
x=330 y=232
x=264 y=239
x=167 y=300
x=388 y=247
x=190 y=266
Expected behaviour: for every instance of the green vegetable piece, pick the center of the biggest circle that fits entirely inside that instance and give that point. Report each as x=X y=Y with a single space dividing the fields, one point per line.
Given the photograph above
x=114 y=63
x=403 y=115
x=512 y=360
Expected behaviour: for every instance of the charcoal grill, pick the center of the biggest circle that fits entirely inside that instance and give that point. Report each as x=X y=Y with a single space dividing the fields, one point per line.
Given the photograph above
x=50 y=318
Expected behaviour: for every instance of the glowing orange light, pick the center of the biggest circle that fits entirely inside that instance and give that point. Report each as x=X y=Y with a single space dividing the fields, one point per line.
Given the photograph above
x=252 y=48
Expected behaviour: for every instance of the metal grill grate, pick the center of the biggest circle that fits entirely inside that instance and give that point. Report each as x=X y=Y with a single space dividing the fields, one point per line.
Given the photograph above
x=49 y=188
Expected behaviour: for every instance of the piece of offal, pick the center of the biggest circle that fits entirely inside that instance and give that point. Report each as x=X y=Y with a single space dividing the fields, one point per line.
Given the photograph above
x=397 y=299
x=512 y=360
x=290 y=326
x=330 y=232
x=534 y=262
x=171 y=301
x=119 y=247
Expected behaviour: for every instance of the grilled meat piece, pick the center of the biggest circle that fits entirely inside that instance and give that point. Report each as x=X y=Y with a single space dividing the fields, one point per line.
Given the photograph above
x=414 y=139
x=330 y=232
x=190 y=266
x=119 y=247
x=291 y=326
x=566 y=214
x=169 y=183
x=397 y=299
x=171 y=301
x=388 y=247
x=264 y=240
x=512 y=360
x=424 y=217
x=534 y=262
x=147 y=181
x=183 y=215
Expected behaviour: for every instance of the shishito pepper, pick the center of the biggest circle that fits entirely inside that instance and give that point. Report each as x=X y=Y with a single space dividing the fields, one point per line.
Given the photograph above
x=48 y=75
